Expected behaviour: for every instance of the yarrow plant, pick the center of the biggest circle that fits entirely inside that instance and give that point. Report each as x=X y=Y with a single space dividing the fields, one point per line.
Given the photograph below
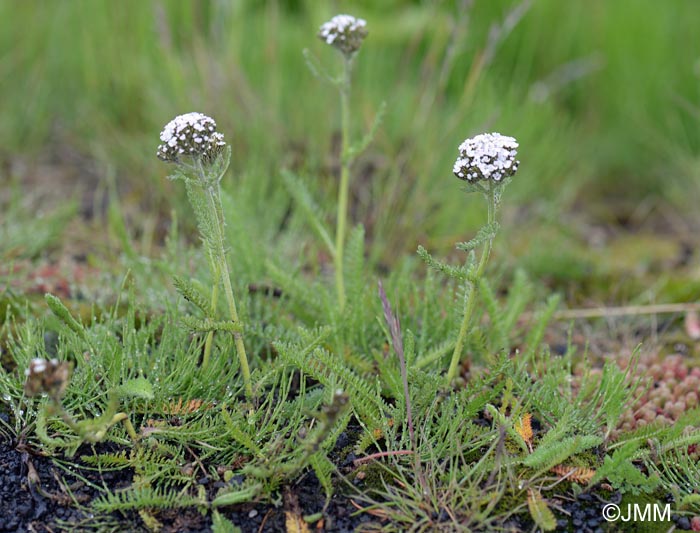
x=201 y=156
x=345 y=33
x=486 y=163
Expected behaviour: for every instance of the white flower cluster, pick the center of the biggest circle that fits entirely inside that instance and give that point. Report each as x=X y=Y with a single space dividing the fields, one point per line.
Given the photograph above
x=344 y=32
x=489 y=156
x=191 y=134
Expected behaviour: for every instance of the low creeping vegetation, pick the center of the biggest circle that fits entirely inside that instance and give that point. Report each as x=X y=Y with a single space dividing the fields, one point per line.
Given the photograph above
x=432 y=405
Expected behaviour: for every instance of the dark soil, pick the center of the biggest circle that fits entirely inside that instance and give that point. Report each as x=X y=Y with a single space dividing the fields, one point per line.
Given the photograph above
x=38 y=496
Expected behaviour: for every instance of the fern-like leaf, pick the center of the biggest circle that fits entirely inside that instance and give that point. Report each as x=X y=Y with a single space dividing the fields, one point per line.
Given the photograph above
x=452 y=272
x=485 y=233
x=108 y=460
x=323 y=468
x=545 y=457
x=620 y=471
x=540 y=511
x=206 y=325
x=240 y=435
x=204 y=214
x=232 y=497
x=219 y=524
x=524 y=428
x=143 y=497
x=61 y=311
x=327 y=369
x=580 y=475
x=190 y=293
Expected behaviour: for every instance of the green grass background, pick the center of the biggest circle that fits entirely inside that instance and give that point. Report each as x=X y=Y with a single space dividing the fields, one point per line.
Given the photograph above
x=603 y=97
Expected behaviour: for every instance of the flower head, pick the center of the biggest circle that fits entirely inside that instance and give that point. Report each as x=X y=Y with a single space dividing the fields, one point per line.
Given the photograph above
x=344 y=32
x=489 y=156
x=190 y=135
x=50 y=377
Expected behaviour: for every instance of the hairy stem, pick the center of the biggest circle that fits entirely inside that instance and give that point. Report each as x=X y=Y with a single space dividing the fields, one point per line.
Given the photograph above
x=344 y=181
x=470 y=287
x=223 y=274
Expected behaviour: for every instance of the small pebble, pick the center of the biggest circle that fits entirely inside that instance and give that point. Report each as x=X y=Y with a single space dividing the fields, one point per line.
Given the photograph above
x=684 y=523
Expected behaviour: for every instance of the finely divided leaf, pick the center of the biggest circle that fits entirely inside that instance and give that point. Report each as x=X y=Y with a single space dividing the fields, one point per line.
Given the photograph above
x=486 y=233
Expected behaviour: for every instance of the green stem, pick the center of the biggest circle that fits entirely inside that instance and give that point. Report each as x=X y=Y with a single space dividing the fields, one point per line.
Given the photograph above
x=56 y=406
x=214 y=198
x=344 y=181
x=471 y=285
x=123 y=417
x=208 y=343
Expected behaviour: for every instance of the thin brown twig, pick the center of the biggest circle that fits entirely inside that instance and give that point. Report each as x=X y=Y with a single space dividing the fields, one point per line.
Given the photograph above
x=196 y=460
x=262 y=524
x=378 y=512
x=379 y=455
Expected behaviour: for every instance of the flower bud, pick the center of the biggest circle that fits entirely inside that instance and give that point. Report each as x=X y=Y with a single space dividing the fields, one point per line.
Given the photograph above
x=489 y=156
x=50 y=377
x=344 y=32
